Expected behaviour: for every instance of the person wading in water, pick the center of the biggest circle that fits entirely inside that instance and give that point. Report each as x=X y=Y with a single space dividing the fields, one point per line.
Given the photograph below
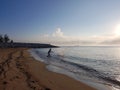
x=49 y=53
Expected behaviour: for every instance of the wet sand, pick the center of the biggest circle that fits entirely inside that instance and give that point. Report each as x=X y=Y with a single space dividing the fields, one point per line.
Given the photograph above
x=20 y=71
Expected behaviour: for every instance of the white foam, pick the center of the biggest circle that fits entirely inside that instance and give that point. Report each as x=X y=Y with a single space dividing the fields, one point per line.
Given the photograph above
x=66 y=69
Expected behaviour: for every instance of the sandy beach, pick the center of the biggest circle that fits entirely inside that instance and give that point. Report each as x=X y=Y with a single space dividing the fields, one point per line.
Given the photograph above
x=20 y=71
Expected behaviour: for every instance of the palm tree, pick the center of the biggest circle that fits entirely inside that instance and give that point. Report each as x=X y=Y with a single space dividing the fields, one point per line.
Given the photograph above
x=6 y=38
x=1 y=39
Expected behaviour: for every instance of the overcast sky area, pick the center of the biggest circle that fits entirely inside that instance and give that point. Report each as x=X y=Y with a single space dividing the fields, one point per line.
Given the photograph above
x=61 y=22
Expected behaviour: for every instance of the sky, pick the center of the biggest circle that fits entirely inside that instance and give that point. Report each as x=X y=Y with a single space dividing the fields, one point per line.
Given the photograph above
x=61 y=22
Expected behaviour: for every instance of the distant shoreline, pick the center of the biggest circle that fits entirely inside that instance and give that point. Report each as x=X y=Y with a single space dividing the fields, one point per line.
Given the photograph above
x=26 y=45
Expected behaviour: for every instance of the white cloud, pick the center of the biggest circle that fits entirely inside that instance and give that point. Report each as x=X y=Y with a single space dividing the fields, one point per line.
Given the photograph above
x=59 y=38
x=114 y=41
x=58 y=33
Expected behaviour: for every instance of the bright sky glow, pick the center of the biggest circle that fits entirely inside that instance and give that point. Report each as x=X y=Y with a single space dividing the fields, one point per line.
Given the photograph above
x=62 y=22
x=117 y=30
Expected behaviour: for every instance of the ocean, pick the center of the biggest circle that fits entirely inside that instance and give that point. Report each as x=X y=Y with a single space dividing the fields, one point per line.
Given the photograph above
x=98 y=66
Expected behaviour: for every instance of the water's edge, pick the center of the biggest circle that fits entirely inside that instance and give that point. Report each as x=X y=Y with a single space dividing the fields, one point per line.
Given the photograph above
x=95 y=84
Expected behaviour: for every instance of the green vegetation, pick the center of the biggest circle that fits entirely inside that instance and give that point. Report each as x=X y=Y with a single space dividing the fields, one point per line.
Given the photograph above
x=6 y=42
x=5 y=39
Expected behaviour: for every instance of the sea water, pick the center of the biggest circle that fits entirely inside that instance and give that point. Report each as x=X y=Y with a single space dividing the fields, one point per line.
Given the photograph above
x=91 y=64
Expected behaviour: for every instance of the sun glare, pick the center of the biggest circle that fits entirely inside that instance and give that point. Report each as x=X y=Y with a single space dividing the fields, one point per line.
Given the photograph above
x=117 y=30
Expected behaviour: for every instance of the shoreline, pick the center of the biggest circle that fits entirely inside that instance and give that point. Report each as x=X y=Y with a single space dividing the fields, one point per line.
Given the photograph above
x=20 y=71
x=95 y=84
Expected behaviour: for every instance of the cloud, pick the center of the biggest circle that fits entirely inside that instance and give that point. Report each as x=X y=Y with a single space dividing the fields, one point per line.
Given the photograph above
x=114 y=41
x=59 y=38
x=58 y=33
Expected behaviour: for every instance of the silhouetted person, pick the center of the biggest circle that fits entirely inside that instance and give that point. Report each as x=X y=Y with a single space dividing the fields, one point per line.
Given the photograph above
x=11 y=43
x=49 y=52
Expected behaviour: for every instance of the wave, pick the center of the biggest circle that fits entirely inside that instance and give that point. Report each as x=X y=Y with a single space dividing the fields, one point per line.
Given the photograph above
x=79 y=69
x=94 y=73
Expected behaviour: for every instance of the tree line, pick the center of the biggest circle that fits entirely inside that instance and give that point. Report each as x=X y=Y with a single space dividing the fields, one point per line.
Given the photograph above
x=5 y=39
